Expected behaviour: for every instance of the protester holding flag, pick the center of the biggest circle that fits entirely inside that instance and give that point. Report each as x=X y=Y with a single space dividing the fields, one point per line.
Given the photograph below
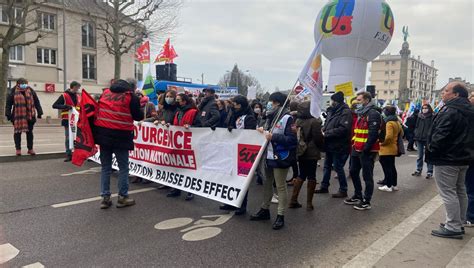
x=364 y=151
x=118 y=108
x=22 y=108
x=423 y=126
x=242 y=118
x=310 y=145
x=69 y=99
x=185 y=116
x=208 y=113
x=280 y=155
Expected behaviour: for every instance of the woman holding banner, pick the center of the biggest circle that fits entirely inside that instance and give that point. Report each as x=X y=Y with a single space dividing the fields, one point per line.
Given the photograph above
x=281 y=152
x=184 y=117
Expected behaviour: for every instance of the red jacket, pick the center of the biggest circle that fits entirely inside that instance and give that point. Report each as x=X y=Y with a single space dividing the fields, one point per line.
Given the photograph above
x=68 y=101
x=187 y=118
x=114 y=111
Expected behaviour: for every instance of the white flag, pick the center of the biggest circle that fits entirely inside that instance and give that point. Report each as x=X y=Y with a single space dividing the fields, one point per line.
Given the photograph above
x=312 y=78
x=73 y=118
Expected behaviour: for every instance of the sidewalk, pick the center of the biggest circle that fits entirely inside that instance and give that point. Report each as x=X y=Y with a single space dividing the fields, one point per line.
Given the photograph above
x=43 y=122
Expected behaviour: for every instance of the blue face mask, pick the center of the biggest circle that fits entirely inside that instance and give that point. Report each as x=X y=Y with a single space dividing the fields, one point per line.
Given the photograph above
x=23 y=86
x=269 y=105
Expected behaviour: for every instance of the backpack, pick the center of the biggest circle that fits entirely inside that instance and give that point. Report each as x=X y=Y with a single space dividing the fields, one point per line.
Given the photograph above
x=400 y=145
x=301 y=146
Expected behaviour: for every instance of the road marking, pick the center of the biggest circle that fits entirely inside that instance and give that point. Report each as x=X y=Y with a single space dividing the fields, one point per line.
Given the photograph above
x=465 y=257
x=173 y=223
x=34 y=265
x=412 y=155
x=7 y=252
x=89 y=171
x=202 y=234
x=77 y=202
x=371 y=255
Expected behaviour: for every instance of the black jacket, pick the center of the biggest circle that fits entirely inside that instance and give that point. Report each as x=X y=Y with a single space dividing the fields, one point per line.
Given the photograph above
x=337 y=129
x=249 y=122
x=451 y=139
x=208 y=115
x=423 y=126
x=120 y=139
x=60 y=104
x=169 y=112
x=10 y=105
x=411 y=121
x=311 y=132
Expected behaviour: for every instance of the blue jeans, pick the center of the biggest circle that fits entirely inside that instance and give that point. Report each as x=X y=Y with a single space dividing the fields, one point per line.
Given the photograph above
x=336 y=160
x=421 y=153
x=470 y=193
x=121 y=156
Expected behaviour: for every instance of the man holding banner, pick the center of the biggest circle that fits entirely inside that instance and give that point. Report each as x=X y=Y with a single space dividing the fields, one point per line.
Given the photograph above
x=69 y=102
x=118 y=108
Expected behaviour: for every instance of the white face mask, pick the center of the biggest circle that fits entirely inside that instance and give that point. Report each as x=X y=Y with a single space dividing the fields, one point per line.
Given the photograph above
x=257 y=110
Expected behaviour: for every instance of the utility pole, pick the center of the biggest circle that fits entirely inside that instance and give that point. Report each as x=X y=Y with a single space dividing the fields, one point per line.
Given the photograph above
x=64 y=47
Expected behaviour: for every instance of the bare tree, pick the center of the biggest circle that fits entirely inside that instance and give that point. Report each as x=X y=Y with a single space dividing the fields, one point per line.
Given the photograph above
x=22 y=19
x=125 y=23
x=239 y=79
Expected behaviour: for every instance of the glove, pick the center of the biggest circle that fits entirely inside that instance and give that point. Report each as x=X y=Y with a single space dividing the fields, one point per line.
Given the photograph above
x=39 y=116
x=213 y=128
x=69 y=107
x=229 y=128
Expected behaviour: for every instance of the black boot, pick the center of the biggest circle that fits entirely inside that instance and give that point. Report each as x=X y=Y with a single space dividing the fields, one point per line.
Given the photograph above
x=227 y=207
x=279 y=222
x=174 y=193
x=262 y=214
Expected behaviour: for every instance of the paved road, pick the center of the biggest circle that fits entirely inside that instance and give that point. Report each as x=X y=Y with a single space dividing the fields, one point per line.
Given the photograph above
x=47 y=139
x=35 y=220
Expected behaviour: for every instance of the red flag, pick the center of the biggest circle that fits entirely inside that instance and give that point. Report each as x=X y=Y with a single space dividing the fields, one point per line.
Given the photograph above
x=164 y=53
x=173 y=54
x=84 y=145
x=143 y=53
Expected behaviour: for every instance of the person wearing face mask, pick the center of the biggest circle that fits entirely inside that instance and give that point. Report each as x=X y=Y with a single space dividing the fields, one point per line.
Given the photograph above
x=70 y=98
x=337 y=142
x=364 y=151
x=423 y=126
x=257 y=109
x=169 y=107
x=281 y=152
x=389 y=148
x=22 y=108
x=186 y=116
x=242 y=118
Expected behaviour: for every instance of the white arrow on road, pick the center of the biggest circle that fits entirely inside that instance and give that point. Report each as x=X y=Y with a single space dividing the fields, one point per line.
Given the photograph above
x=7 y=252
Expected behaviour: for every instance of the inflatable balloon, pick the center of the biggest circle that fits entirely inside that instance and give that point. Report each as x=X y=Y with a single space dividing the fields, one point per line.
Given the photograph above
x=353 y=32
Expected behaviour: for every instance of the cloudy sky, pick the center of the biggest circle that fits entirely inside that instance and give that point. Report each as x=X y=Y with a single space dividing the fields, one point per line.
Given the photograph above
x=273 y=38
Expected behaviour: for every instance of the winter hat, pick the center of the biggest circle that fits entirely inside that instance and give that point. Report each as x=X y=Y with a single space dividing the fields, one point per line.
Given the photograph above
x=120 y=85
x=241 y=100
x=338 y=97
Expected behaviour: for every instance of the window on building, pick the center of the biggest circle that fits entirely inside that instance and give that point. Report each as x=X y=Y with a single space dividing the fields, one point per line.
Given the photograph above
x=391 y=92
x=386 y=72
x=392 y=82
x=387 y=62
x=393 y=72
x=393 y=62
x=46 y=56
x=138 y=71
x=17 y=13
x=88 y=34
x=385 y=92
x=385 y=82
x=88 y=66
x=47 y=21
x=17 y=54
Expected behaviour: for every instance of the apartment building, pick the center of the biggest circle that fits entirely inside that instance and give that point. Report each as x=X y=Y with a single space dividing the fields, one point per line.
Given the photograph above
x=385 y=75
x=87 y=59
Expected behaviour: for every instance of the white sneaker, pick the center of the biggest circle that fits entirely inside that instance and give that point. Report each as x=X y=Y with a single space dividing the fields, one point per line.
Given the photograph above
x=468 y=224
x=385 y=188
x=395 y=188
x=275 y=199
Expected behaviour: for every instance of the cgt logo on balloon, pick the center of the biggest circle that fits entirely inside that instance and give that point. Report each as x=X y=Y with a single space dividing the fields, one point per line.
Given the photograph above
x=337 y=18
x=386 y=25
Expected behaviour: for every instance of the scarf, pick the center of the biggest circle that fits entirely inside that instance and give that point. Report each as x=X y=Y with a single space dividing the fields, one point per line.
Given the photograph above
x=24 y=106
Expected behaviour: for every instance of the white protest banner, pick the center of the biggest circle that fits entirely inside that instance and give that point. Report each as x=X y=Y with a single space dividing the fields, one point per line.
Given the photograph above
x=214 y=164
x=73 y=115
x=252 y=93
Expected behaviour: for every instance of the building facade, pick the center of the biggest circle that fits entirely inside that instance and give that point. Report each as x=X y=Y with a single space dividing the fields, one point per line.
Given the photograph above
x=385 y=75
x=87 y=59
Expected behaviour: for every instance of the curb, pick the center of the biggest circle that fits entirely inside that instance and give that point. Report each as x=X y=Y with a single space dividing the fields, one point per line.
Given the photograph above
x=40 y=156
